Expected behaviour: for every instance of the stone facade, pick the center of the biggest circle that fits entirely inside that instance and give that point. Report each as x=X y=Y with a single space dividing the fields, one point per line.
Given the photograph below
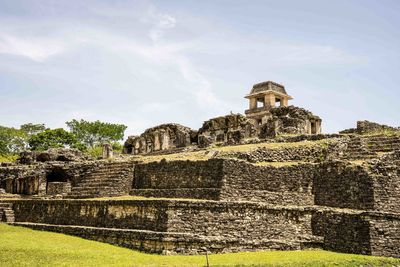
x=230 y=129
x=265 y=121
x=162 y=137
x=290 y=120
x=341 y=193
x=366 y=127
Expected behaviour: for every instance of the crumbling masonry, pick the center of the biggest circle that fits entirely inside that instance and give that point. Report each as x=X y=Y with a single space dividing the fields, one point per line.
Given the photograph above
x=339 y=192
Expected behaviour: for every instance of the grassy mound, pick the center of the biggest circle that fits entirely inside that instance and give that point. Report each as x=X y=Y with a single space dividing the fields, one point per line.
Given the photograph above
x=24 y=247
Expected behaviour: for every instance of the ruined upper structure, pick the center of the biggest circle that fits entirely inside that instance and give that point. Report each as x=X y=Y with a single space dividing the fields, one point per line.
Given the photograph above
x=230 y=129
x=269 y=115
x=269 y=110
x=263 y=97
x=162 y=137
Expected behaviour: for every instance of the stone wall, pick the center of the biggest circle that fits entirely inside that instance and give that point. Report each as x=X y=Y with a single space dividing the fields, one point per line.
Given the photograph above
x=180 y=226
x=369 y=233
x=58 y=188
x=27 y=180
x=385 y=174
x=288 y=185
x=162 y=137
x=179 y=174
x=338 y=184
x=142 y=215
x=229 y=129
x=312 y=153
x=343 y=232
x=33 y=179
x=372 y=186
x=384 y=235
x=222 y=179
x=290 y=120
x=365 y=127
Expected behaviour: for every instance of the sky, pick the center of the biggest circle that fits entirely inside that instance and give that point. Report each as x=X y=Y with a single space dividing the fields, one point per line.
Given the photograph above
x=144 y=63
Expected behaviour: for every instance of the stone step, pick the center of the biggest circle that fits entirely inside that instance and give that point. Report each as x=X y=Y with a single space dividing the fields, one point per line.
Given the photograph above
x=96 y=180
x=158 y=242
x=7 y=215
x=100 y=183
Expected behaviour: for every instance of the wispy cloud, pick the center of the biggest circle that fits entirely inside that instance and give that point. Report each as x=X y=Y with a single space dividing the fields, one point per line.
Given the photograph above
x=37 y=49
x=143 y=61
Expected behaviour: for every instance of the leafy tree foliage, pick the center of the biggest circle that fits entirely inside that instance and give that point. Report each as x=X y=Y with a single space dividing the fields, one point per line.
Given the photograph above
x=96 y=132
x=11 y=140
x=31 y=129
x=53 y=138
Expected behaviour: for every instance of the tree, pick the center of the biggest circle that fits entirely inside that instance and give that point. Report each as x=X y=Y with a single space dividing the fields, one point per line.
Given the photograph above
x=53 y=138
x=11 y=140
x=97 y=132
x=31 y=129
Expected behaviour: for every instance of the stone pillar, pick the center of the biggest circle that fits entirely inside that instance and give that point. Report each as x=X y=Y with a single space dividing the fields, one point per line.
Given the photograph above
x=253 y=103
x=107 y=151
x=269 y=100
x=157 y=141
x=318 y=125
x=284 y=102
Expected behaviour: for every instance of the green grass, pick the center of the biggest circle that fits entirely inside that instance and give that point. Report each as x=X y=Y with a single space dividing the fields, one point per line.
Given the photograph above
x=8 y=158
x=279 y=164
x=24 y=247
x=225 y=151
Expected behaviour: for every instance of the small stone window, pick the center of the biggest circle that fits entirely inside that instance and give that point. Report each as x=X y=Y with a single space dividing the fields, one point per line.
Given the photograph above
x=278 y=102
x=260 y=103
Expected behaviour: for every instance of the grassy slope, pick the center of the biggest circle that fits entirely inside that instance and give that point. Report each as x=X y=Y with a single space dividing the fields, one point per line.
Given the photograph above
x=25 y=247
x=224 y=150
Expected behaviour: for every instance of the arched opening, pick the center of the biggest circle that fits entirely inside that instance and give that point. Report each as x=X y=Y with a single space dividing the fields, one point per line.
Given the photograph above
x=58 y=181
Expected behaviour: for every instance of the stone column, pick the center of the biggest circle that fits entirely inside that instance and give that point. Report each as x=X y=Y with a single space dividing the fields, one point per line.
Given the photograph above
x=107 y=151
x=284 y=102
x=269 y=100
x=253 y=103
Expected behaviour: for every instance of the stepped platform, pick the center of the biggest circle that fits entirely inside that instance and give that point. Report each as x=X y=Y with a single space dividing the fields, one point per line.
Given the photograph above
x=109 y=179
x=188 y=226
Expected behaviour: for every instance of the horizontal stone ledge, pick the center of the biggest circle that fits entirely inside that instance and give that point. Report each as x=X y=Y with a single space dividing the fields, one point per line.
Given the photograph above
x=175 y=243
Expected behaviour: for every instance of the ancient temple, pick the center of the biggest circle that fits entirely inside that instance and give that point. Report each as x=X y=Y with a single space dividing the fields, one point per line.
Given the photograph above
x=270 y=111
x=263 y=97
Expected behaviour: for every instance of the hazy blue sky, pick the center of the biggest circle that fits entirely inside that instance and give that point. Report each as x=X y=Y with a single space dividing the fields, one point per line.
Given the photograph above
x=143 y=63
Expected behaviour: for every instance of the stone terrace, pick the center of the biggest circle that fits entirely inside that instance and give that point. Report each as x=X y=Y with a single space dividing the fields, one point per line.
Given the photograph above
x=267 y=195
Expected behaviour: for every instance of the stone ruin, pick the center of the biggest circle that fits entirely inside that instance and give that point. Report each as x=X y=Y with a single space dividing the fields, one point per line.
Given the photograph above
x=339 y=192
x=290 y=120
x=268 y=116
x=367 y=127
x=230 y=129
x=162 y=137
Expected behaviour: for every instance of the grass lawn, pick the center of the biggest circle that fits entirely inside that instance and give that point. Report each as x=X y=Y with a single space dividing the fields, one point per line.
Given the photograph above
x=226 y=150
x=24 y=247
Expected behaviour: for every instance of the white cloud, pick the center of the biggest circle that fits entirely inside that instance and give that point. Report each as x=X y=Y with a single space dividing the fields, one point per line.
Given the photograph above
x=163 y=22
x=37 y=49
x=142 y=61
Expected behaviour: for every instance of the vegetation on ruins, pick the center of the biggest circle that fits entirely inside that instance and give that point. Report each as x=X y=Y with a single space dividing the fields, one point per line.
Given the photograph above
x=51 y=249
x=30 y=128
x=52 y=138
x=11 y=140
x=96 y=132
x=84 y=135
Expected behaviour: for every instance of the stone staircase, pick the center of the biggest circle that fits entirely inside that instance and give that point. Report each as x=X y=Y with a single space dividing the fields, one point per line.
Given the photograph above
x=358 y=149
x=6 y=213
x=382 y=143
x=110 y=179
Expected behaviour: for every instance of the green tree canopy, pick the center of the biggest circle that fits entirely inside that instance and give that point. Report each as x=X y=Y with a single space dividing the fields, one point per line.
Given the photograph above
x=11 y=140
x=31 y=129
x=53 y=138
x=96 y=132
